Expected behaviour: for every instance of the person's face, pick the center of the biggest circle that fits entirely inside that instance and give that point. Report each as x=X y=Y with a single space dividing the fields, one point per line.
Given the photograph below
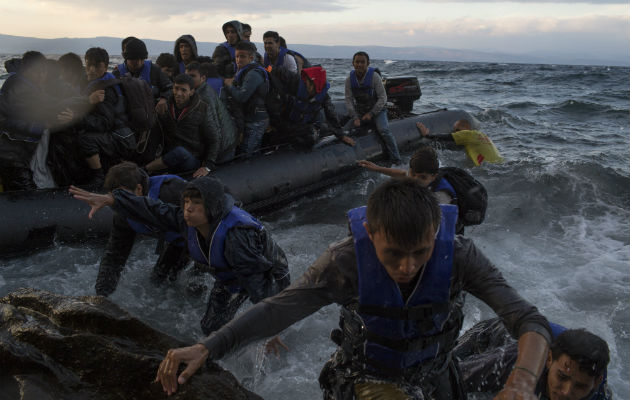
x=271 y=46
x=360 y=64
x=168 y=71
x=182 y=93
x=197 y=77
x=134 y=65
x=95 y=70
x=243 y=58
x=310 y=87
x=402 y=264
x=565 y=381
x=185 y=51
x=231 y=36
x=247 y=35
x=195 y=212
x=137 y=190
x=424 y=178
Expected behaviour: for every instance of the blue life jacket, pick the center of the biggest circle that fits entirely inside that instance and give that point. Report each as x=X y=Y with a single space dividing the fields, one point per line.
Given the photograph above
x=219 y=266
x=256 y=102
x=155 y=184
x=305 y=110
x=182 y=67
x=240 y=75
x=282 y=52
x=107 y=76
x=400 y=334
x=444 y=185
x=216 y=84
x=145 y=72
x=231 y=49
x=364 y=88
x=295 y=53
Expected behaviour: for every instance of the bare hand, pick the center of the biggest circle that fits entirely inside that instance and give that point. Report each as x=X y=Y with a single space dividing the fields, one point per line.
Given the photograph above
x=94 y=200
x=228 y=81
x=367 y=117
x=200 y=172
x=97 y=96
x=193 y=357
x=367 y=164
x=274 y=345
x=348 y=140
x=519 y=386
x=161 y=106
x=357 y=122
x=66 y=116
x=424 y=131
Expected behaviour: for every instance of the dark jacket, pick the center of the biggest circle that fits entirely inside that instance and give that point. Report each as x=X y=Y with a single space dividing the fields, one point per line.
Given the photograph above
x=193 y=45
x=260 y=264
x=160 y=83
x=249 y=92
x=221 y=56
x=109 y=115
x=122 y=236
x=220 y=120
x=191 y=129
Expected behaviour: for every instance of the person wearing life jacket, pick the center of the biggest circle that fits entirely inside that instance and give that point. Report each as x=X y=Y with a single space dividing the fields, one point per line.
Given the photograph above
x=190 y=137
x=185 y=52
x=220 y=120
x=234 y=246
x=300 y=60
x=401 y=279
x=246 y=93
x=305 y=111
x=478 y=146
x=365 y=103
x=167 y=188
x=276 y=56
x=224 y=55
x=136 y=64
x=575 y=368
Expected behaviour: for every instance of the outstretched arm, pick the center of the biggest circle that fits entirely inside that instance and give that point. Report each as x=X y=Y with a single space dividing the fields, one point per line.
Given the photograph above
x=532 y=352
x=393 y=172
x=94 y=200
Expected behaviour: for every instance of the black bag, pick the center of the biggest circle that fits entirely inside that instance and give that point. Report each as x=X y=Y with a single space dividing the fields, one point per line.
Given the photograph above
x=139 y=103
x=472 y=197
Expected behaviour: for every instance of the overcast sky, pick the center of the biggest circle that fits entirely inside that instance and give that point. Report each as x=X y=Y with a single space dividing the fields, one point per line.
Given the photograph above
x=598 y=27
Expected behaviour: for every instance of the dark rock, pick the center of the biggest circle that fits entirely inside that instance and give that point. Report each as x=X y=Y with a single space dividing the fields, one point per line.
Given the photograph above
x=61 y=347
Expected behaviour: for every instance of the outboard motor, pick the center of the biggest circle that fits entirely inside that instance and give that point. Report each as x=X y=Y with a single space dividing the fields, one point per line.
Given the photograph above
x=402 y=91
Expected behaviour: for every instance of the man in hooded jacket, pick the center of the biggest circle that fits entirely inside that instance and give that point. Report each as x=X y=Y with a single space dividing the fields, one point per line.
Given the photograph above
x=236 y=248
x=185 y=52
x=224 y=56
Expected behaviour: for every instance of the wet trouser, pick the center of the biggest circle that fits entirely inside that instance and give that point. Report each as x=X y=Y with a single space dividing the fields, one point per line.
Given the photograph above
x=115 y=145
x=252 y=137
x=179 y=159
x=15 y=171
x=382 y=127
x=222 y=305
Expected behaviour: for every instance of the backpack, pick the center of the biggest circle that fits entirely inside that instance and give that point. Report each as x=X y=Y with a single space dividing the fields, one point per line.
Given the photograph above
x=472 y=197
x=139 y=103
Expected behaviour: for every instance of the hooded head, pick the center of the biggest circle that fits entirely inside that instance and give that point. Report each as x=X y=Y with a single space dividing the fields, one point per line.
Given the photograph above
x=238 y=27
x=191 y=42
x=217 y=202
x=317 y=75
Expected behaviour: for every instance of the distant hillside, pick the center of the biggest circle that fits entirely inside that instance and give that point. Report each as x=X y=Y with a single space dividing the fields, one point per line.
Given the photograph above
x=18 y=45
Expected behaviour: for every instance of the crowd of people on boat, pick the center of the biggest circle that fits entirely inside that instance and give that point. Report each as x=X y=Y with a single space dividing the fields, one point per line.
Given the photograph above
x=400 y=276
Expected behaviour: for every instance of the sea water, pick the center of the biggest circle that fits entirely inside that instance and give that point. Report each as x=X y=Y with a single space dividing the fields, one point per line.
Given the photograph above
x=557 y=226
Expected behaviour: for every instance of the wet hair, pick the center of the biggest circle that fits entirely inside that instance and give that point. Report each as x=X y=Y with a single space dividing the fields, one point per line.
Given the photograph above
x=246 y=46
x=463 y=125
x=97 y=55
x=587 y=349
x=31 y=59
x=127 y=175
x=283 y=43
x=424 y=161
x=272 y=34
x=126 y=40
x=404 y=211
x=166 y=60
x=191 y=193
x=184 y=79
x=361 y=53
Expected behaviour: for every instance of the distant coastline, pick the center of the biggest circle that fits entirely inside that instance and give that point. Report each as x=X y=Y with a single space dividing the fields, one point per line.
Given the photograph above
x=19 y=44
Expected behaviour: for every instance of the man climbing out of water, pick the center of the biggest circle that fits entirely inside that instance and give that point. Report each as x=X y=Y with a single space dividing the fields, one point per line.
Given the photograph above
x=185 y=52
x=246 y=93
x=575 y=368
x=167 y=188
x=137 y=65
x=401 y=280
x=238 y=250
x=224 y=55
x=302 y=108
x=478 y=146
x=365 y=103
x=189 y=133
x=276 y=56
x=218 y=114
